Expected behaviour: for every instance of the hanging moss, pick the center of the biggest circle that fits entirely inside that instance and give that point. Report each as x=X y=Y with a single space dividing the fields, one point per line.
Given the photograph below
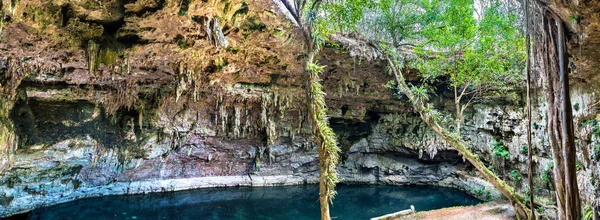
x=324 y=134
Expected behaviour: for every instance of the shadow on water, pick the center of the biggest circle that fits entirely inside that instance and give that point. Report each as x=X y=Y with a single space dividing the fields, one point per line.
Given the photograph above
x=288 y=202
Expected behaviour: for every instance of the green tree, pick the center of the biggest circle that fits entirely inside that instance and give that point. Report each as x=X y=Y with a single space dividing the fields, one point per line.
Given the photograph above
x=478 y=53
x=314 y=31
x=480 y=57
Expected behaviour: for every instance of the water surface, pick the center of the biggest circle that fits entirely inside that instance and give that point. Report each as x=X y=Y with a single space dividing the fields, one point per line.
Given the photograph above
x=286 y=202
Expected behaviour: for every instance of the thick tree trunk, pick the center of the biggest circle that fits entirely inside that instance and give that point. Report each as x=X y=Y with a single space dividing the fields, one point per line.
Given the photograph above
x=550 y=56
x=554 y=136
x=572 y=204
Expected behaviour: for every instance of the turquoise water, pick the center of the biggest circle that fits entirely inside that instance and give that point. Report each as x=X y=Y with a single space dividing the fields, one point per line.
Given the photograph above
x=286 y=202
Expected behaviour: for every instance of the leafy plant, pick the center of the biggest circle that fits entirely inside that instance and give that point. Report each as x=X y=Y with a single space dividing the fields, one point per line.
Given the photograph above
x=516 y=176
x=546 y=177
x=576 y=107
x=540 y=209
x=551 y=164
x=588 y=212
x=500 y=150
x=578 y=166
x=595 y=127
x=524 y=149
x=479 y=192
x=449 y=46
x=596 y=153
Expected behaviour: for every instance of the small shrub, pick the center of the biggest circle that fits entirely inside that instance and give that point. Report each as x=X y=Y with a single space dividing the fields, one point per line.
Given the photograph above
x=524 y=149
x=516 y=176
x=551 y=164
x=500 y=150
x=596 y=153
x=479 y=192
x=588 y=122
x=595 y=127
x=546 y=177
x=576 y=107
x=588 y=212
x=540 y=209
x=578 y=166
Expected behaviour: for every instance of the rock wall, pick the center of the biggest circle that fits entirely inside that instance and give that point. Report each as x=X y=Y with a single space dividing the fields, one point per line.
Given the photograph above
x=145 y=96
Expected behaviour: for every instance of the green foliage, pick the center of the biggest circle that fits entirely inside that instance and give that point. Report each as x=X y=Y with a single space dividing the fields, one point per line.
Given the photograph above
x=576 y=107
x=540 y=209
x=590 y=122
x=588 y=212
x=596 y=153
x=545 y=177
x=500 y=151
x=524 y=149
x=516 y=176
x=325 y=132
x=315 y=68
x=419 y=94
x=595 y=127
x=479 y=192
x=578 y=166
x=477 y=57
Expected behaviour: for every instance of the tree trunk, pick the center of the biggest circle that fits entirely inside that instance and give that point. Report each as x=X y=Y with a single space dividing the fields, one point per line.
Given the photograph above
x=549 y=54
x=572 y=204
x=529 y=146
x=515 y=199
x=458 y=114
x=323 y=136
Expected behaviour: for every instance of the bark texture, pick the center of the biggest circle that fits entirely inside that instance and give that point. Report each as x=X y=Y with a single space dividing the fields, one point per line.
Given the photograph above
x=551 y=62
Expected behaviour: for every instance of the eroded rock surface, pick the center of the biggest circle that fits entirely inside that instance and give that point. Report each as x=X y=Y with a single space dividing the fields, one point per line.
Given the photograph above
x=125 y=97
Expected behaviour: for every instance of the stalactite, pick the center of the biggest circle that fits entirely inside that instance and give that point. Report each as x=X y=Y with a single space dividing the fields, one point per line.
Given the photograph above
x=92 y=56
x=282 y=105
x=264 y=108
x=128 y=67
x=300 y=120
x=237 y=121
x=207 y=29
x=220 y=40
x=181 y=87
x=223 y=116
x=141 y=117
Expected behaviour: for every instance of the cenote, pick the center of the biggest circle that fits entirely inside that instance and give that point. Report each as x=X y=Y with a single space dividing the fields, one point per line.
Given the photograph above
x=286 y=202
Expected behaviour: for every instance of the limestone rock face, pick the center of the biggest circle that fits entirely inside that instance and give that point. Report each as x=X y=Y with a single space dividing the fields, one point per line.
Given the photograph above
x=122 y=97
